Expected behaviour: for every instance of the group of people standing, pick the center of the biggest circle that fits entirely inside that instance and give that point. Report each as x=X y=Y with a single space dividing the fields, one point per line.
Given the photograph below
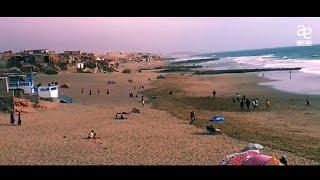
x=246 y=101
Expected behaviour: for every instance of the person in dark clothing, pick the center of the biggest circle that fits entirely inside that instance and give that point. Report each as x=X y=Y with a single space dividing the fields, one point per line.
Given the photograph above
x=244 y=97
x=241 y=104
x=283 y=160
x=170 y=93
x=142 y=87
x=12 y=120
x=90 y=93
x=248 y=103
x=233 y=100
x=192 y=117
x=98 y=91
x=307 y=102
x=214 y=93
x=19 y=119
x=130 y=95
x=81 y=90
x=107 y=91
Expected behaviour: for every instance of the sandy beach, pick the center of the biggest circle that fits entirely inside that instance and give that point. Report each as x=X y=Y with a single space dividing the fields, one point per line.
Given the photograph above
x=57 y=135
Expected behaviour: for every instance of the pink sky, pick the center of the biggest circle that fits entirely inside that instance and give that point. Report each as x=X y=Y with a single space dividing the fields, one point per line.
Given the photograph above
x=152 y=34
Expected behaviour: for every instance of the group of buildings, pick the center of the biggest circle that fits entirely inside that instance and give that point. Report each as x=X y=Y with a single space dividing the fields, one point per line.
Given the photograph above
x=40 y=60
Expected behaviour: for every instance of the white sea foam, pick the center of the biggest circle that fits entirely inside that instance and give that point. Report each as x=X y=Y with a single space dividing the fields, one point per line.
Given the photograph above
x=308 y=66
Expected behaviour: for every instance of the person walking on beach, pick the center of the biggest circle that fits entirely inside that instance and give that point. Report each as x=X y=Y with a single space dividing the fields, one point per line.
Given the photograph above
x=290 y=73
x=308 y=102
x=257 y=103
x=248 y=104
x=238 y=97
x=12 y=120
x=241 y=104
x=254 y=104
x=214 y=93
x=268 y=104
x=19 y=119
x=81 y=90
x=99 y=91
x=90 y=93
x=107 y=91
x=192 y=117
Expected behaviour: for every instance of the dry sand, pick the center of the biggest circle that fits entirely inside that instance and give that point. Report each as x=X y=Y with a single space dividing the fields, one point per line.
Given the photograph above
x=56 y=136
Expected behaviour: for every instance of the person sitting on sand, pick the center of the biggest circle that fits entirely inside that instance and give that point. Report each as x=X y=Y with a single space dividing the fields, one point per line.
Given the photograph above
x=284 y=161
x=92 y=135
x=211 y=130
x=307 y=102
x=268 y=104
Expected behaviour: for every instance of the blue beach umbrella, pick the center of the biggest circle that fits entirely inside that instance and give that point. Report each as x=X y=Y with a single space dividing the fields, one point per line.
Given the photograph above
x=217 y=118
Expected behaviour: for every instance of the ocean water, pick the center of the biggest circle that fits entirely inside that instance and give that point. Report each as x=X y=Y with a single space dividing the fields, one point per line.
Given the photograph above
x=304 y=81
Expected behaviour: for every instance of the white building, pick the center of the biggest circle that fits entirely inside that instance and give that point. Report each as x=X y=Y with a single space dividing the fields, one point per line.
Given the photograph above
x=48 y=91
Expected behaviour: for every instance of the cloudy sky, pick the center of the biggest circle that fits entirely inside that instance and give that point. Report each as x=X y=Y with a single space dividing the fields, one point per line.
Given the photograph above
x=152 y=34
